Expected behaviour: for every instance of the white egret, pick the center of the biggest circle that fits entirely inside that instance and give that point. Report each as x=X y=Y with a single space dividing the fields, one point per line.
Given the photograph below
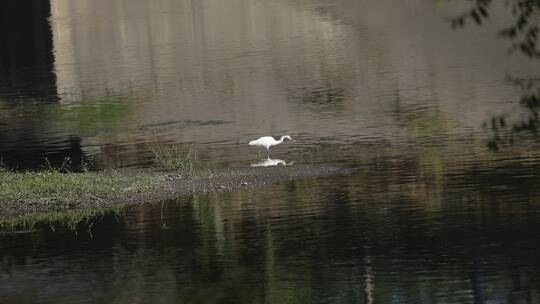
x=268 y=141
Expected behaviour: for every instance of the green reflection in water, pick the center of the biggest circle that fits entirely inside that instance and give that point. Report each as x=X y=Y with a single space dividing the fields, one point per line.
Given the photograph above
x=91 y=116
x=86 y=117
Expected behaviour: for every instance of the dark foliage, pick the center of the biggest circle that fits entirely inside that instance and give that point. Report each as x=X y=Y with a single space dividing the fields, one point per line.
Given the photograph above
x=523 y=35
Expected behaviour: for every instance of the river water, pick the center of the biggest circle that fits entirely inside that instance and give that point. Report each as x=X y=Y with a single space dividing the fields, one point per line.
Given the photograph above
x=437 y=210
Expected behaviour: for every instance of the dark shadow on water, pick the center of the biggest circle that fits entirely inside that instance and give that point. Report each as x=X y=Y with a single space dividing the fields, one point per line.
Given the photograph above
x=27 y=75
x=23 y=156
x=26 y=56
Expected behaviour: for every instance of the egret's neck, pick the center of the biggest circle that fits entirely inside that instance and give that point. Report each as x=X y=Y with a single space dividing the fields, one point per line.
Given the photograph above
x=281 y=139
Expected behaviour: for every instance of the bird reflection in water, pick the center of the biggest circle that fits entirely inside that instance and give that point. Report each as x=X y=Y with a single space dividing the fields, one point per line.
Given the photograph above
x=271 y=162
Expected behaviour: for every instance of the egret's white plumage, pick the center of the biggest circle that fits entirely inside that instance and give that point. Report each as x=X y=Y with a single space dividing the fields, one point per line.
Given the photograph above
x=268 y=141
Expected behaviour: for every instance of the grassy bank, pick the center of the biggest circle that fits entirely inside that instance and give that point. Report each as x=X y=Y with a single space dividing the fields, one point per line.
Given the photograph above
x=58 y=188
x=69 y=219
x=27 y=198
x=48 y=190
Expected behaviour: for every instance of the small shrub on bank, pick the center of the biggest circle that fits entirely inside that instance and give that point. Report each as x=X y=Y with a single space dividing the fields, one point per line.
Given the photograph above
x=172 y=158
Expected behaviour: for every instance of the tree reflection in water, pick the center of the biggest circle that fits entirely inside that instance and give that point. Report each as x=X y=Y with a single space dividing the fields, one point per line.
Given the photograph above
x=523 y=36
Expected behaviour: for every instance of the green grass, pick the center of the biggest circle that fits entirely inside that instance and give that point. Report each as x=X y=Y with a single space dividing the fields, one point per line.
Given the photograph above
x=30 y=185
x=66 y=193
x=172 y=158
x=57 y=195
x=62 y=185
x=71 y=219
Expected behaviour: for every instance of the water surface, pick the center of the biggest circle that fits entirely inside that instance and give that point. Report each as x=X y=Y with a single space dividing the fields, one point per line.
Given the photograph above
x=431 y=214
